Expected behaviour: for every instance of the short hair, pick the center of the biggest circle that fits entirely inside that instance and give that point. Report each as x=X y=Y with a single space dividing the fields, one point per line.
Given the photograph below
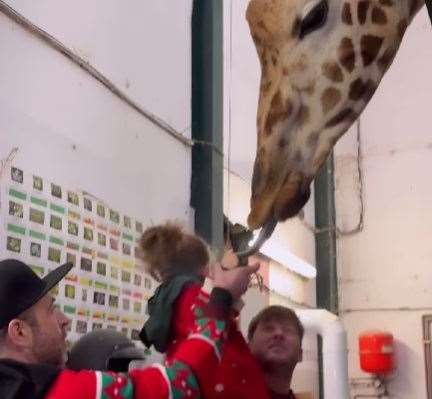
x=167 y=250
x=279 y=313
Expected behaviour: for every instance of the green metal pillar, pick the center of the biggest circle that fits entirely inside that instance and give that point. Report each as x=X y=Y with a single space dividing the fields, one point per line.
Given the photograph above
x=325 y=248
x=207 y=120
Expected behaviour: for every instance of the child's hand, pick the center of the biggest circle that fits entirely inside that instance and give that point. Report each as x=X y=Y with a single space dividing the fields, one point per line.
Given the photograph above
x=236 y=281
x=229 y=260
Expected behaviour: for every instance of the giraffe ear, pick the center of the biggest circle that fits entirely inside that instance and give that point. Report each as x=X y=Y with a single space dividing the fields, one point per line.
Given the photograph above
x=314 y=18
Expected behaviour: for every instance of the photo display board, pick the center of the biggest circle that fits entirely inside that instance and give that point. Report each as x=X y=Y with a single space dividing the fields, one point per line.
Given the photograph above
x=45 y=225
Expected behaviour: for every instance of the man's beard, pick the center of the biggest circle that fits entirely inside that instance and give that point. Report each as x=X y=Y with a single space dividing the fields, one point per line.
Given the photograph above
x=45 y=352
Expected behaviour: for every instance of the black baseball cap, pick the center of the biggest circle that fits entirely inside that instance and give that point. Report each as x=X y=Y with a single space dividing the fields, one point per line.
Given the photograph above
x=21 y=287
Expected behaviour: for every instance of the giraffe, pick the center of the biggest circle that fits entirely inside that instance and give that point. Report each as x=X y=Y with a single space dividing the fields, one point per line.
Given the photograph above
x=321 y=62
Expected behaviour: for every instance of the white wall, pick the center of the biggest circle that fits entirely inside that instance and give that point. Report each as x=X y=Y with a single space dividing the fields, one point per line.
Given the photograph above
x=71 y=129
x=388 y=265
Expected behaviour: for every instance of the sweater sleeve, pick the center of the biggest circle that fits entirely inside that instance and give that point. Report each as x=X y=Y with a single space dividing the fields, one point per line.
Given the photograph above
x=195 y=359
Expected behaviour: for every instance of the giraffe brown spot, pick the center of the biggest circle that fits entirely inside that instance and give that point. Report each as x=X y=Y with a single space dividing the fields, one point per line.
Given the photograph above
x=329 y=99
x=310 y=89
x=345 y=115
x=274 y=60
x=262 y=25
x=278 y=112
x=359 y=89
x=402 y=27
x=296 y=28
x=256 y=40
x=347 y=54
x=370 y=46
x=387 y=3
x=379 y=17
x=304 y=115
x=312 y=140
x=282 y=143
x=346 y=14
x=265 y=86
x=386 y=59
x=298 y=157
x=258 y=172
x=362 y=9
x=413 y=8
x=332 y=71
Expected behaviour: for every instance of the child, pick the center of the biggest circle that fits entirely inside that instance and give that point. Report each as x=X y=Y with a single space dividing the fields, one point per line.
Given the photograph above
x=180 y=261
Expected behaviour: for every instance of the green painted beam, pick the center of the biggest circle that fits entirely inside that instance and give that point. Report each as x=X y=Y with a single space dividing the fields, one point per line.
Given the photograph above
x=207 y=120
x=325 y=248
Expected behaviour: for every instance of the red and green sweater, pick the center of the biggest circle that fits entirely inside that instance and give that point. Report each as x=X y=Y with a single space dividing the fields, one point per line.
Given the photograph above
x=238 y=375
x=193 y=362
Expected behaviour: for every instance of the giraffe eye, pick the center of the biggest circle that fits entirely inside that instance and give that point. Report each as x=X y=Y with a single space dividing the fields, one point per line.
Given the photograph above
x=314 y=19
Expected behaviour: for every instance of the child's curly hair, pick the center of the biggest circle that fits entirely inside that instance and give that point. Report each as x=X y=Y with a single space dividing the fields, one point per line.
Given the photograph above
x=167 y=249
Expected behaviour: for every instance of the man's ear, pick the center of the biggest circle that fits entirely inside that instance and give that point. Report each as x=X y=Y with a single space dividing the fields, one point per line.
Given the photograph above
x=20 y=333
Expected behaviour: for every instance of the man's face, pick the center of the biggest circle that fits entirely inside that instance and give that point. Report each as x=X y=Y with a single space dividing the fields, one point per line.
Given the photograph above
x=276 y=343
x=49 y=333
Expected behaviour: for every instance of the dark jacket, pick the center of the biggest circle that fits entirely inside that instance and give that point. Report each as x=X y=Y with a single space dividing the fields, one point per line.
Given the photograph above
x=25 y=381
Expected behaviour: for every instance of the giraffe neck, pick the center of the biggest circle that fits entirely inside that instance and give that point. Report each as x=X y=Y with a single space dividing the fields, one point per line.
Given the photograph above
x=408 y=8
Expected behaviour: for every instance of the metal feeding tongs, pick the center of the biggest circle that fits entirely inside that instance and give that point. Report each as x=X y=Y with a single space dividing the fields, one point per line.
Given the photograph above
x=240 y=237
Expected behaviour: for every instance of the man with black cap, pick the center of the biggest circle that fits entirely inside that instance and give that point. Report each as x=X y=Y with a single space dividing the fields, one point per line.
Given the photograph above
x=33 y=343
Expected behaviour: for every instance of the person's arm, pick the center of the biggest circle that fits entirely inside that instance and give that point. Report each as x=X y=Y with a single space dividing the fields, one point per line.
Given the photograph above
x=195 y=359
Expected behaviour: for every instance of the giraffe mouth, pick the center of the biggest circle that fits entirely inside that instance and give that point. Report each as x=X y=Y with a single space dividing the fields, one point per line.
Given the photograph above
x=279 y=203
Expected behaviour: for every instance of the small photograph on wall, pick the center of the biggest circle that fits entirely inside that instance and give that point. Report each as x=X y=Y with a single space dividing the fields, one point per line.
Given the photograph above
x=72 y=228
x=84 y=295
x=127 y=222
x=100 y=210
x=139 y=227
x=114 y=272
x=17 y=175
x=56 y=190
x=56 y=222
x=37 y=216
x=113 y=301
x=88 y=204
x=101 y=268
x=86 y=264
x=114 y=216
x=102 y=239
x=71 y=258
x=81 y=327
x=13 y=244
x=125 y=276
x=16 y=209
x=137 y=307
x=137 y=280
x=114 y=244
x=73 y=198
x=69 y=291
x=135 y=335
x=147 y=283
x=99 y=298
x=88 y=234
x=37 y=183
x=35 y=249
x=126 y=249
x=54 y=254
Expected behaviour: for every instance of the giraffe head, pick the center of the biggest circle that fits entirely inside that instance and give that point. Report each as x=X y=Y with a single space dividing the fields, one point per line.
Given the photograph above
x=321 y=62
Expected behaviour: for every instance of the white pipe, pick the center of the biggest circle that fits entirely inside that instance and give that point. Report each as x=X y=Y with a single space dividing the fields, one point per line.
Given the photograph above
x=334 y=350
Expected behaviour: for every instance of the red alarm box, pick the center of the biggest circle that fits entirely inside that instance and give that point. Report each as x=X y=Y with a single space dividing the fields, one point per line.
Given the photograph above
x=376 y=352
